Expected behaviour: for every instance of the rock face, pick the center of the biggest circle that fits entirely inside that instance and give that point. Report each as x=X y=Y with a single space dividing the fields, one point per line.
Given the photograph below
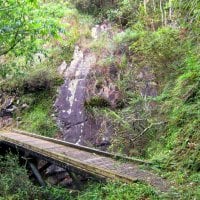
x=72 y=117
x=80 y=85
x=86 y=79
x=6 y=105
x=7 y=108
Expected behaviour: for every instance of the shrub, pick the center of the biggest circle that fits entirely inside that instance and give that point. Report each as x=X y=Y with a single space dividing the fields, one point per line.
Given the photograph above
x=14 y=180
x=114 y=190
x=97 y=101
x=16 y=185
x=41 y=79
x=35 y=79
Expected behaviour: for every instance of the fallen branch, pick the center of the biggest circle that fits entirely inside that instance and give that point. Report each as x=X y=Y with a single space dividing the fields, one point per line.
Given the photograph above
x=146 y=129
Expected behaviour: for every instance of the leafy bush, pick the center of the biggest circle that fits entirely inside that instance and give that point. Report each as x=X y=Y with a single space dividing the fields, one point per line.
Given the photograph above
x=161 y=49
x=16 y=185
x=22 y=24
x=14 y=181
x=38 y=79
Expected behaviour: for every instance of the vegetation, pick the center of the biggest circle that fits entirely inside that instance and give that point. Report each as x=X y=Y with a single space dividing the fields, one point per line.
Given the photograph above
x=31 y=74
x=93 y=6
x=15 y=184
x=158 y=35
x=111 y=191
x=163 y=35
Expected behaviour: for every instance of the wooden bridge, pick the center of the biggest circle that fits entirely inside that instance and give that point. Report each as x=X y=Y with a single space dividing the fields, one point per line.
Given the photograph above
x=79 y=159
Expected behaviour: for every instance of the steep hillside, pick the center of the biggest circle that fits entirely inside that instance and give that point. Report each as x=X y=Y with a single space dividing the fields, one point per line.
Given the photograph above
x=134 y=78
x=157 y=65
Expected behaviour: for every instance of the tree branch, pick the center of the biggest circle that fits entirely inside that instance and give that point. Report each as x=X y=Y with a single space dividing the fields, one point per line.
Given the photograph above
x=15 y=42
x=145 y=130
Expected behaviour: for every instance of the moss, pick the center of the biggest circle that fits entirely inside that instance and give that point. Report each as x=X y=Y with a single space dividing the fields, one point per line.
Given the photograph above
x=38 y=117
x=97 y=101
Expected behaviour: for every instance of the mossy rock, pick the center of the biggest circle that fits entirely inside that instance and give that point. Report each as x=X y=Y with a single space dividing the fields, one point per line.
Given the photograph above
x=97 y=101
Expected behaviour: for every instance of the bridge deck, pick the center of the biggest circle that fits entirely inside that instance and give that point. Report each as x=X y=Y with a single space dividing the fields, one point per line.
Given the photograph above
x=84 y=159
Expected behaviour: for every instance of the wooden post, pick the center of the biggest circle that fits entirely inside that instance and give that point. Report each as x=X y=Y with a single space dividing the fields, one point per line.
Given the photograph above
x=37 y=174
x=44 y=167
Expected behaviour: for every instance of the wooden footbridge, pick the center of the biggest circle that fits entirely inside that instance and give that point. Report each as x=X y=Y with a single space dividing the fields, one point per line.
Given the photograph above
x=78 y=159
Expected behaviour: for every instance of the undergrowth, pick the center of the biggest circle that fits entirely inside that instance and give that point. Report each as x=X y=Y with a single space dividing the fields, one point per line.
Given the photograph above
x=38 y=117
x=168 y=44
x=115 y=190
x=16 y=185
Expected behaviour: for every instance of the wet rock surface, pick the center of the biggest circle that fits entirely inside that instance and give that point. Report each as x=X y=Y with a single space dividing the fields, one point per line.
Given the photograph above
x=81 y=85
x=6 y=105
x=10 y=106
x=7 y=109
x=72 y=118
x=5 y=121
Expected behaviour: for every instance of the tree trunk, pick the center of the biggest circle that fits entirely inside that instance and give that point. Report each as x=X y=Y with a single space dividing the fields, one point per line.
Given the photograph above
x=162 y=14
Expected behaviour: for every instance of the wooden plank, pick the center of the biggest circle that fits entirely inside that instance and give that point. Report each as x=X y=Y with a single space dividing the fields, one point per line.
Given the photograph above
x=74 y=153
x=43 y=144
